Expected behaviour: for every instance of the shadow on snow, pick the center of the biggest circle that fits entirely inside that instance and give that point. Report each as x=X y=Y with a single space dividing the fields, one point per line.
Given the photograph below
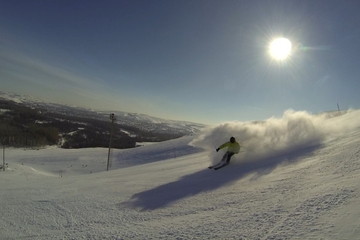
x=209 y=180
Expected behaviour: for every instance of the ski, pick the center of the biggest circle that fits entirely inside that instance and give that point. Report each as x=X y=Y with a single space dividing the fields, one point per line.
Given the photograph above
x=216 y=165
x=216 y=168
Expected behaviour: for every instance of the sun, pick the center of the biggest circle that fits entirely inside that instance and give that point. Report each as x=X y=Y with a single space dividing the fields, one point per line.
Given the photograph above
x=280 y=48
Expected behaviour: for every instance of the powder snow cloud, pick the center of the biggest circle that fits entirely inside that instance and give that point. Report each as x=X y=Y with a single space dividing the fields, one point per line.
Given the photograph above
x=275 y=137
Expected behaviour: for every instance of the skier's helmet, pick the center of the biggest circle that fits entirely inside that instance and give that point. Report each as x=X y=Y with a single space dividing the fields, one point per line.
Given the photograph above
x=232 y=139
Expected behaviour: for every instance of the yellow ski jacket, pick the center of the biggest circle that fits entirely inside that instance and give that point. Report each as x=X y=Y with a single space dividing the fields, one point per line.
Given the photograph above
x=232 y=147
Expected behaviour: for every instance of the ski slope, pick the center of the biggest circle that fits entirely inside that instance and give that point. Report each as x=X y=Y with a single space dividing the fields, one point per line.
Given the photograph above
x=296 y=177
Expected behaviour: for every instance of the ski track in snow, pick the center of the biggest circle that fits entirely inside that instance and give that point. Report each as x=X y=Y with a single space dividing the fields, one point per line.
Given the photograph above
x=312 y=193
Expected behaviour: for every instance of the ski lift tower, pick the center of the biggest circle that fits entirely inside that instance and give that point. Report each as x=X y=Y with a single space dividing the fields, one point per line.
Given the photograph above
x=112 y=119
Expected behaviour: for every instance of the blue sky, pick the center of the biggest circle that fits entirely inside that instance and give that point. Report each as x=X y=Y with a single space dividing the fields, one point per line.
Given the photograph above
x=202 y=61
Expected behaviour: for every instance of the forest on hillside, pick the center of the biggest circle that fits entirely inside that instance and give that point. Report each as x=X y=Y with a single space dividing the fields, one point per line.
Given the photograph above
x=22 y=126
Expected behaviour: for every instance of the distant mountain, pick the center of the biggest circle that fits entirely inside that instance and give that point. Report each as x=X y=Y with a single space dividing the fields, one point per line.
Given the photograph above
x=88 y=128
x=17 y=98
x=146 y=122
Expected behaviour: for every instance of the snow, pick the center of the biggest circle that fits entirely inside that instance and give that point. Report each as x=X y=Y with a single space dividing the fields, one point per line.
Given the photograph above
x=42 y=122
x=297 y=177
x=2 y=111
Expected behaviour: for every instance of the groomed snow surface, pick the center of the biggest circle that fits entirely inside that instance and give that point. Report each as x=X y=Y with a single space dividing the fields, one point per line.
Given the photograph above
x=296 y=177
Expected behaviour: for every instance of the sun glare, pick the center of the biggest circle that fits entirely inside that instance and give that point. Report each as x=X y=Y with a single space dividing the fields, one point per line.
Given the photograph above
x=280 y=48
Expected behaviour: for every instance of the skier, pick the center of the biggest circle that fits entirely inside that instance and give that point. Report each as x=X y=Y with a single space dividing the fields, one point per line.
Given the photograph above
x=233 y=148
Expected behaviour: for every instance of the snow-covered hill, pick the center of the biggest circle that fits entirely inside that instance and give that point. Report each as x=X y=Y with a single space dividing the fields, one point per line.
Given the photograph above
x=137 y=120
x=297 y=177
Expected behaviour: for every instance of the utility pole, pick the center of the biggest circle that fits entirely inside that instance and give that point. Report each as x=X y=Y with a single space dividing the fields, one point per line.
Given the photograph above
x=339 y=109
x=3 y=157
x=112 y=118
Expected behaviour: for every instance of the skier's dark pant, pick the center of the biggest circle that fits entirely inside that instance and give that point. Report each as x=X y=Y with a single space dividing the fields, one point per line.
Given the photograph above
x=227 y=157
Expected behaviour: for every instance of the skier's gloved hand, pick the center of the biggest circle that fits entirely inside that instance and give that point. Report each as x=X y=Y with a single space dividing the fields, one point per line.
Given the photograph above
x=217 y=149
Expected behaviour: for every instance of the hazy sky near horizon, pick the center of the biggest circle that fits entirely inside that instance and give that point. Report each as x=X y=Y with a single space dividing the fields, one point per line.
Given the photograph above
x=203 y=61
